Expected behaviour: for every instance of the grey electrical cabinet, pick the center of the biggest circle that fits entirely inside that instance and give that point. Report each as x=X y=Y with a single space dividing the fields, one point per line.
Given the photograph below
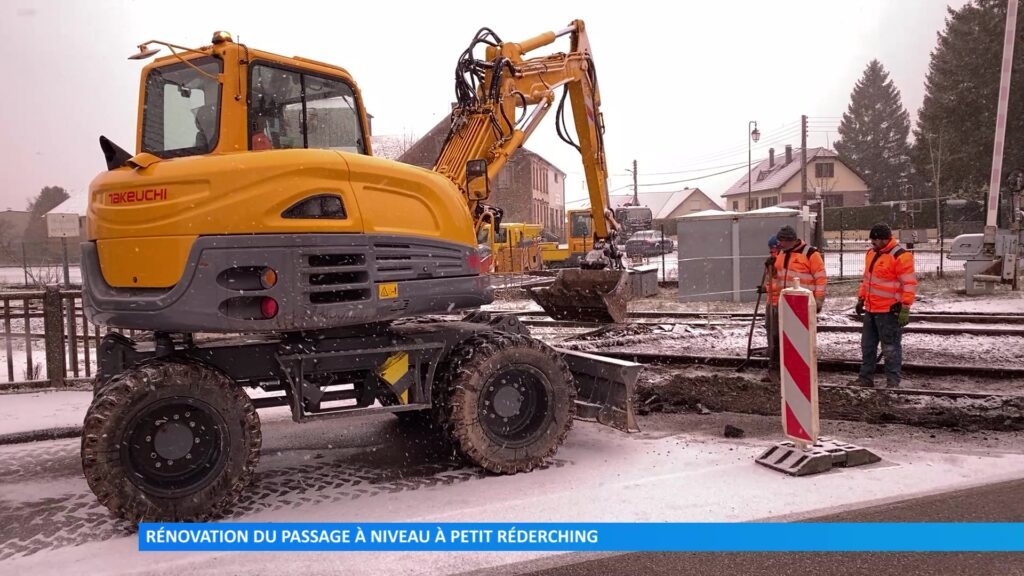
x=722 y=254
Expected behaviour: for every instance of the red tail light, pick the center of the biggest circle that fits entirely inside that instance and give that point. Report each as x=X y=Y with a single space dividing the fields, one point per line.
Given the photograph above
x=268 y=307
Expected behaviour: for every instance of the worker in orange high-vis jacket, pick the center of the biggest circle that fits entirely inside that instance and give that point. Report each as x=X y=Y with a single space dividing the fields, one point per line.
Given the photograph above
x=884 y=301
x=795 y=261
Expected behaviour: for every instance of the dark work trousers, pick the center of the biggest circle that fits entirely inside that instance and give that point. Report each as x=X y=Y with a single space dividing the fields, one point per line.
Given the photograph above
x=771 y=324
x=881 y=327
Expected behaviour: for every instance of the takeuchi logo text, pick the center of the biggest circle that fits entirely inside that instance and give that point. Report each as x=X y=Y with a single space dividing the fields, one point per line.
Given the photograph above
x=128 y=196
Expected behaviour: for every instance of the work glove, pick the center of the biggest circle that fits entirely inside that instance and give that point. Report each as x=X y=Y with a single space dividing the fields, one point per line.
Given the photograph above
x=761 y=290
x=903 y=318
x=770 y=262
x=860 y=307
x=819 y=303
x=895 y=308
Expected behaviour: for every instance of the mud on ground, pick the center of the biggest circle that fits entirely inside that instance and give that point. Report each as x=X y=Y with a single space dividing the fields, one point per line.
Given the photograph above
x=702 y=390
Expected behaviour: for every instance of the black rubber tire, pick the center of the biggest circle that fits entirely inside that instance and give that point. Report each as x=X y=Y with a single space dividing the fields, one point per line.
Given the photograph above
x=493 y=358
x=120 y=409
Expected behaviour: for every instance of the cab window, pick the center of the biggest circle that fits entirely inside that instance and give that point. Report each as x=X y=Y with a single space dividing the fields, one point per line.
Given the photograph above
x=182 y=108
x=294 y=109
x=582 y=225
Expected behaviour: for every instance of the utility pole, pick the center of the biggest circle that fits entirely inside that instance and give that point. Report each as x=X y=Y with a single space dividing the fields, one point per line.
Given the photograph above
x=803 y=161
x=636 y=193
x=936 y=171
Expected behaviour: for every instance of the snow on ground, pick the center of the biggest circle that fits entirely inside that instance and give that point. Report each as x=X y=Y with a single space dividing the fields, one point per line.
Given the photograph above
x=40 y=410
x=18 y=363
x=678 y=470
x=15 y=275
x=1004 y=301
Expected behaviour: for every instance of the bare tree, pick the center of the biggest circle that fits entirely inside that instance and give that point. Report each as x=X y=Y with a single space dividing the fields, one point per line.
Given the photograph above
x=391 y=147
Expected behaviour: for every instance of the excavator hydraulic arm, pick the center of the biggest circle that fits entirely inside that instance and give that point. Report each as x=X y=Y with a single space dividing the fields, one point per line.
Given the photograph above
x=501 y=99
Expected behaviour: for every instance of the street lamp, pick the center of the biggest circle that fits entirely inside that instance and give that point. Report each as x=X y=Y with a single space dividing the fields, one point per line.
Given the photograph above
x=755 y=135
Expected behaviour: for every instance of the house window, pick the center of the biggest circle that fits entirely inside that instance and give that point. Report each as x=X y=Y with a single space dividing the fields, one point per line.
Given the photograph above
x=825 y=170
x=505 y=178
x=735 y=205
x=834 y=201
x=556 y=177
x=769 y=201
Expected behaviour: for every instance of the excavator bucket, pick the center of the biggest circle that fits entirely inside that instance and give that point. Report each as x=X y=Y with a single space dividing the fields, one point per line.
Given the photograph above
x=585 y=295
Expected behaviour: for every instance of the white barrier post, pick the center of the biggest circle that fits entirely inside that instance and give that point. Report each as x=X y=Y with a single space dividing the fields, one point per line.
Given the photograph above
x=798 y=346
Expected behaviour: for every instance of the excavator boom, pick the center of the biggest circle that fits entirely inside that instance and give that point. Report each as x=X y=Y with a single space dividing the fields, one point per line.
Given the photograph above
x=501 y=99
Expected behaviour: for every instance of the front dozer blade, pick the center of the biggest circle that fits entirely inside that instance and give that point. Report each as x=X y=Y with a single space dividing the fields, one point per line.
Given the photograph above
x=585 y=295
x=605 y=388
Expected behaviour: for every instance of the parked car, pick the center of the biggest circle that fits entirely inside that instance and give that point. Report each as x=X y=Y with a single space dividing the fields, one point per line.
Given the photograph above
x=648 y=243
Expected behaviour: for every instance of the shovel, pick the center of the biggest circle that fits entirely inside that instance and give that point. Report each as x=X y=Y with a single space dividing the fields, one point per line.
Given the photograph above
x=753 y=321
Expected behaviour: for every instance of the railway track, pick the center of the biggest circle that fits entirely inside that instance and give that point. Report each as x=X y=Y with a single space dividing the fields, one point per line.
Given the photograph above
x=824 y=364
x=937 y=317
x=943 y=330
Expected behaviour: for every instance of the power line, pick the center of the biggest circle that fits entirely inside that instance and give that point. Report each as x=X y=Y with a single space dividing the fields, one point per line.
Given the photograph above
x=774 y=132
x=692 y=170
x=776 y=136
x=701 y=177
x=739 y=147
x=760 y=147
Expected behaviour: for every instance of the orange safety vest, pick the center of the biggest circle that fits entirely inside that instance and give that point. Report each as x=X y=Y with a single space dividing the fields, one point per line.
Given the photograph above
x=888 y=278
x=802 y=263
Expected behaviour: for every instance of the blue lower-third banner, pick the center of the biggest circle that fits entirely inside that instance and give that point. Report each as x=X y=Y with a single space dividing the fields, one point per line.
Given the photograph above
x=582 y=537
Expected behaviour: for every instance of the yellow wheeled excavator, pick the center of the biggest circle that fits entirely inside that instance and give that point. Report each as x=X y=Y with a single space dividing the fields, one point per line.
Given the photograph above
x=253 y=207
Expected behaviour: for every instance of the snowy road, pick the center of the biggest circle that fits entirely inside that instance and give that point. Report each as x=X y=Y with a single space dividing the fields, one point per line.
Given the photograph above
x=369 y=469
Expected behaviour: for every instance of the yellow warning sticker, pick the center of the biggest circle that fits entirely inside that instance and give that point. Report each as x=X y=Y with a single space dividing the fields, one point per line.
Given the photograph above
x=389 y=290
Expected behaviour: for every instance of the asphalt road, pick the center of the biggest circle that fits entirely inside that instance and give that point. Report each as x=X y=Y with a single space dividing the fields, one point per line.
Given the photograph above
x=1002 y=502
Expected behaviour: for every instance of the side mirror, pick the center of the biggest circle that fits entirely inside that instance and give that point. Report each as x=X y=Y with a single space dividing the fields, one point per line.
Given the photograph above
x=477 y=186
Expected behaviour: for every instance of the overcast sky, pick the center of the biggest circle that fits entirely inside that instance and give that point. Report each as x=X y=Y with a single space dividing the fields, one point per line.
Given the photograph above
x=679 y=81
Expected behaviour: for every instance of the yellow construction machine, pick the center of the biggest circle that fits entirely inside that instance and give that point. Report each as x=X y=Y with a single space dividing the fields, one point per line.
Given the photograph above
x=253 y=205
x=515 y=248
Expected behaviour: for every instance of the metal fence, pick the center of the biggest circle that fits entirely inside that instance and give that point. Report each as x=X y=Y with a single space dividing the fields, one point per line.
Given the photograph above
x=47 y=342
x=850 y=263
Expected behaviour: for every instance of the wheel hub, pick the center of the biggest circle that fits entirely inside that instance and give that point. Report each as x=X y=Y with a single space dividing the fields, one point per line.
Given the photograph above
x=514 y=405
x=174 y=446
x=173 y=440
x=507 y=401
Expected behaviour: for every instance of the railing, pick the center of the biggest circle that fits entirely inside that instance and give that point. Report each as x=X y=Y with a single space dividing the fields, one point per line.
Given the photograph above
x=47 y=341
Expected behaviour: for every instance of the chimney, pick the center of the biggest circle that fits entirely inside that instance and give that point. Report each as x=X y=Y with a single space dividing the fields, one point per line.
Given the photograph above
x=789 y=154
x=771 y=158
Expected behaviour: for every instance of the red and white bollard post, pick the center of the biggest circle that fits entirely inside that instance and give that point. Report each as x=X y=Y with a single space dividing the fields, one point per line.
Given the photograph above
x=806 y=453
x=798 y=345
